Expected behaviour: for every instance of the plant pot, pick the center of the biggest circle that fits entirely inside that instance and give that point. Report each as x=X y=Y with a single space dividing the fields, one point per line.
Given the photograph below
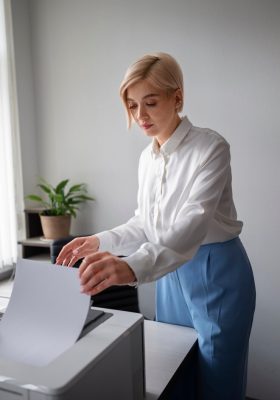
x=55 y=227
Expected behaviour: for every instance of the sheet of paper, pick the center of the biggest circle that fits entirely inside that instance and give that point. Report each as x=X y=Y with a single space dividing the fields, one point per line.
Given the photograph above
x=45 y=314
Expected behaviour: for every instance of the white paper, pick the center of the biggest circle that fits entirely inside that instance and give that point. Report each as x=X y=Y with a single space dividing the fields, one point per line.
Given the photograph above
x=45 y=314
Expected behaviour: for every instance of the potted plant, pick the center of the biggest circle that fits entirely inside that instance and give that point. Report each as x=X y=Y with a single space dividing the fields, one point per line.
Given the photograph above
x=61 y=204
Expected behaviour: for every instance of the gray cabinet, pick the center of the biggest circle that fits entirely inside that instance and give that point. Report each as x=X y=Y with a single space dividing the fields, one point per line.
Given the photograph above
x=34 y=246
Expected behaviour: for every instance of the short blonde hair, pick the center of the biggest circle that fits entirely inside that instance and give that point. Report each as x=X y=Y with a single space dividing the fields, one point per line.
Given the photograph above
x=160 y=69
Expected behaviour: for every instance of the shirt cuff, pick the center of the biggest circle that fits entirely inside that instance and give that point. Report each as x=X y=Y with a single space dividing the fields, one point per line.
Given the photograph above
x=139 y=266
x=134 y=284
x=105 y=242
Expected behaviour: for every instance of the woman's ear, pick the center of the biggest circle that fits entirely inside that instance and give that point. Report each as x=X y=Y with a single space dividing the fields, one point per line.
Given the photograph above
x=178 y=99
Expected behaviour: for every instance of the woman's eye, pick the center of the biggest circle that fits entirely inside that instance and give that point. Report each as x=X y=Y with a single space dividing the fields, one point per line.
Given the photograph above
x=132 y=106
x=151 y=104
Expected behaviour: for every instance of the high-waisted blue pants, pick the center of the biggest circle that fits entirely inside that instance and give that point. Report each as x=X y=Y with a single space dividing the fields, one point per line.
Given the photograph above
x=215 y=294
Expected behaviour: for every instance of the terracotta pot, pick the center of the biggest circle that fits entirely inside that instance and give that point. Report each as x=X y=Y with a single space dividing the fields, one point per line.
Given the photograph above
x=56 y=227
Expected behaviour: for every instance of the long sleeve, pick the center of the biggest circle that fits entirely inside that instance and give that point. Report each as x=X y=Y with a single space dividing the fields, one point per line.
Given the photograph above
x=179 y=243
x=124 y=239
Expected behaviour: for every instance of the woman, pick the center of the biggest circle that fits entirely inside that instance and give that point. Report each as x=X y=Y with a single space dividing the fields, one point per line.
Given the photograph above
x=184 y=233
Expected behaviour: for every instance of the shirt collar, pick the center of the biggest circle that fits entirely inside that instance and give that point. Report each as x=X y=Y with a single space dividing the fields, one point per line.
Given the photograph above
x=175 y=139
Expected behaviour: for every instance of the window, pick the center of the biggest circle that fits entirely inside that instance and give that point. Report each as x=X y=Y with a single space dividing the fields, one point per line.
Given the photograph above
x=11 y=193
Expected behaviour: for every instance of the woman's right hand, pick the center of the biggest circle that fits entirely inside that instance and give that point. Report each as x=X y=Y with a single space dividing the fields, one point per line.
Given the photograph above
x=76 y=249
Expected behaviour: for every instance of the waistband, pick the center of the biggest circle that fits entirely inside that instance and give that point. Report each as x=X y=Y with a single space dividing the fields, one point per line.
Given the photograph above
x=235 y=240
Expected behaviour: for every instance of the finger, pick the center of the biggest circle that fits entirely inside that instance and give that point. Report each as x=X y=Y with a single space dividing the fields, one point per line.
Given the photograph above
x=99 y=279
x=62 y=258
x=100 y=287
x=93 y=270
x=81 y=249
x=73 y=261
x=92 y=258
x=67 y=250
x=66 y=261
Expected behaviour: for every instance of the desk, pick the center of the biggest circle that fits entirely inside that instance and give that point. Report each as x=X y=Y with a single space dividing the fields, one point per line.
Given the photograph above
x=166 y=346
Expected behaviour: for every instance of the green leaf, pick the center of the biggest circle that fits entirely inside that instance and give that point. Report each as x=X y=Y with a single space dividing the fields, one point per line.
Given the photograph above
x=84 y=197
x=75 y=201
x=81 y=198
x=59 y=198
x=34 y=197
x=76 y=188
x=72 y=211
x=45 y=188
x=61 y=185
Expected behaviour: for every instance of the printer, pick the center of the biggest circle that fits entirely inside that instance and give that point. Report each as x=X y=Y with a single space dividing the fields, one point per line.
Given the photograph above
x=106 y=363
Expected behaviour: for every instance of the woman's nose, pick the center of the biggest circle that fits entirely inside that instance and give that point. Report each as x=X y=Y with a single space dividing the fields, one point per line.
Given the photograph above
x=141 y=112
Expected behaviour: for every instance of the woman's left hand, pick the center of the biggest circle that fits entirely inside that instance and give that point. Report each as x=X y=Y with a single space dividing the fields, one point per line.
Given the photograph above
x=99 y=271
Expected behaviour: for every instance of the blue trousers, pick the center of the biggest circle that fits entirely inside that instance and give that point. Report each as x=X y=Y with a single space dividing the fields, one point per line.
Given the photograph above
x=215 y=294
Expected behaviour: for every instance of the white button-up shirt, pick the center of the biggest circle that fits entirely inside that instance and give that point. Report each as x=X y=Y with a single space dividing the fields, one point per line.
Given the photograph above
x=184 y=201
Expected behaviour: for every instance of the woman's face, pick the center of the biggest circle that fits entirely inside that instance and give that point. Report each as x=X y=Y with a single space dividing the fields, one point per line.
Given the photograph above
x=154 y=110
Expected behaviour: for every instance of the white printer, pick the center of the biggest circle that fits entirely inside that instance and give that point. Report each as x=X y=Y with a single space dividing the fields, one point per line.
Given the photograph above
x=107 y=363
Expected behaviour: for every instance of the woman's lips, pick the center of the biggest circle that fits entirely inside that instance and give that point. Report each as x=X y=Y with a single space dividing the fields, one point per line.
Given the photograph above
x=146 y=126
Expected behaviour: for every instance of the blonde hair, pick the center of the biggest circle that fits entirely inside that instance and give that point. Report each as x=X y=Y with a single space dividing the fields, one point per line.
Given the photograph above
x=160 y=69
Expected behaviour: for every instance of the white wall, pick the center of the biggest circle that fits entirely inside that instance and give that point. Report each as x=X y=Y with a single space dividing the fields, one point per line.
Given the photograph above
x=230 y=54
x=25 y=90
